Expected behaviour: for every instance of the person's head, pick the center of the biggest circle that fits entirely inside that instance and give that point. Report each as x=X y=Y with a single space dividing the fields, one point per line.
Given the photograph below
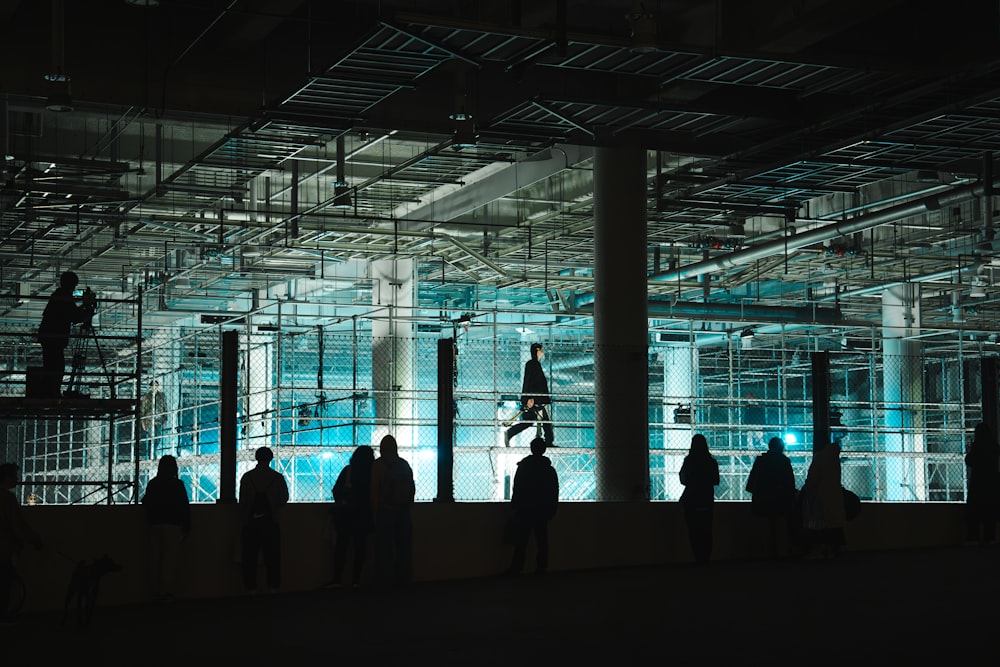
x=536 y=351
x=264 y=455
x=776 y=444
x=69 y=280
x=538 y=446
x=388 y=447
x=167 y=467
x=8 y=475
x=699 y=445
x=154 y=385
x=363 y=456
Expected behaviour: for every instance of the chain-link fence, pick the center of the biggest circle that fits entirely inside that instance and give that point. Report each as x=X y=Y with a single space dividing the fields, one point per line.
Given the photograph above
x=313 y=395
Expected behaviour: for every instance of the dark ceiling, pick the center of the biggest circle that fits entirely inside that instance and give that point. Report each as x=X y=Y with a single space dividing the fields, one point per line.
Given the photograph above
x=205 y=142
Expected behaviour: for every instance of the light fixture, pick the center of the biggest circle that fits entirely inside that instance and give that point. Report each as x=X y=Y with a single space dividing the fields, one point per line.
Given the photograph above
x=341 y=195
x=341 y=190
x=642 y=29
x=977 y=290
x=465 y=135
x=59 y=99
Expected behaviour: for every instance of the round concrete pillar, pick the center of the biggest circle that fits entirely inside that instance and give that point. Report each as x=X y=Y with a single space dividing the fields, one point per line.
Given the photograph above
x=621 y=412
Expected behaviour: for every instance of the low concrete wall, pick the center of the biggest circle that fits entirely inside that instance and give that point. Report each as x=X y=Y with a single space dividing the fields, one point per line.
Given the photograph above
x=459 y=540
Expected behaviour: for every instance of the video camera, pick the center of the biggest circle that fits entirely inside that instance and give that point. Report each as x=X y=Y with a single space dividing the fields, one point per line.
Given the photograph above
x=89 y=299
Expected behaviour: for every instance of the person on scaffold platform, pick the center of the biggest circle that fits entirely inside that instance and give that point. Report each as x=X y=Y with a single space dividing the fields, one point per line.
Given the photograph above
x=60 y=313
x=535 y=399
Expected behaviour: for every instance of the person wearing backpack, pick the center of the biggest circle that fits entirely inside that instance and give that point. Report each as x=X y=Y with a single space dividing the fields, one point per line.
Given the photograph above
x=534 y=499
x=263 y=492
x=392 y=493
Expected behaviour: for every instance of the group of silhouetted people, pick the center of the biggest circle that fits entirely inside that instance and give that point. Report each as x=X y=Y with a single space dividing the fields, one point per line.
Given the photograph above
x=810 y=519
x=374 y=495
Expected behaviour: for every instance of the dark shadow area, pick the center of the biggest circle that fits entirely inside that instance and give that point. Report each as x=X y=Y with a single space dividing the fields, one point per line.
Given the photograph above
x=914 y=605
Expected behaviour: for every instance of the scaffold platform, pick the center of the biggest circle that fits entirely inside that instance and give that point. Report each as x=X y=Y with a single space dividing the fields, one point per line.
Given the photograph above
x=19 y=407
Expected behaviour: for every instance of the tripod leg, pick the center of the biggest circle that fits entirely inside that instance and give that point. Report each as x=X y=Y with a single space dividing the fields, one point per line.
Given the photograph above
x=104 y=363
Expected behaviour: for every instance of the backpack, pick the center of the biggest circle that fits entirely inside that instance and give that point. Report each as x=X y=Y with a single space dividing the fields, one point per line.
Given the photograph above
x=260 y=508
x=397 y=485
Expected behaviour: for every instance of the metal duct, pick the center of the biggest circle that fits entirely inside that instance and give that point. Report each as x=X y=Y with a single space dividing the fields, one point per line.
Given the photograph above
x=820 y=234
x=692 y=310
x=877 y=289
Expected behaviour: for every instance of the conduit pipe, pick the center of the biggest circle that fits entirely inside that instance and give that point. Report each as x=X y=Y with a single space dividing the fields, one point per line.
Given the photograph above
x=825 y=233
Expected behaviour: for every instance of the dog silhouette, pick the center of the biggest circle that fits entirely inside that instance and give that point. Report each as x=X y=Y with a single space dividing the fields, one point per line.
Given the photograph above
x=84 y=586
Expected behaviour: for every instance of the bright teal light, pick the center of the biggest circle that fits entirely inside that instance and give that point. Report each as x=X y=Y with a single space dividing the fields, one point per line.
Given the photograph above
x=790 y=438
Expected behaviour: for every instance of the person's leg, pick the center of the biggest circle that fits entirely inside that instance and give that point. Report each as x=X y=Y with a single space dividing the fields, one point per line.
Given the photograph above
x=383 y=546
x=700 y=541
x=545 y=414
x=272 y=555
x=404 y=547
x=525 y=423
x=54 y=367
x=251 y=544
x=171 y=542
x=343 y=540
x=521 y=534
x=156 y=561
x=707 y=533
x=989 y=525
x=360 y=556
x=542 y=545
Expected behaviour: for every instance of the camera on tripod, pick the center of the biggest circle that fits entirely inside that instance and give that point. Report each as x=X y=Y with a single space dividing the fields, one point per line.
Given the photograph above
x=89 y=299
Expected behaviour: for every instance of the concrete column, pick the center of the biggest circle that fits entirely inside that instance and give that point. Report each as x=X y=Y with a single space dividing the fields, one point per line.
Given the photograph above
x=902 y=394
x=228 y=372
x=395 y=289
x=621 y=414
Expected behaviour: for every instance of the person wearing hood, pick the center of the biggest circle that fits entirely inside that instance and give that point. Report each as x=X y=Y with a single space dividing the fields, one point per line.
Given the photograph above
x=534 y=499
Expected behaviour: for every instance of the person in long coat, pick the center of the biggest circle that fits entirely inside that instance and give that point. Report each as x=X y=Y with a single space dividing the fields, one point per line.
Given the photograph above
x=700 y=475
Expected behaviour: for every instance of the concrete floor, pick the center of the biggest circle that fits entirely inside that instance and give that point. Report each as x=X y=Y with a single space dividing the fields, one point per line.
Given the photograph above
x=917 y=606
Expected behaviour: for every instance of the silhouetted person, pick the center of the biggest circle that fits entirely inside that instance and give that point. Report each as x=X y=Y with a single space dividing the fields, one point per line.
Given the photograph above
x=771 y=484
x=168 y=514
x=263 y=492
x=535 y=398
x=60 y=313
x=353 y=513
x=700 y=475
x=14 y=532
x=534 y=499
x=392 y=494
x=823 y=515
x=982 y=458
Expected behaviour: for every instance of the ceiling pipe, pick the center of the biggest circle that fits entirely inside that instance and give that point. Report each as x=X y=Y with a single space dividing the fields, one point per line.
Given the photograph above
x=825 y=233
x=695 y=310
x=878 y=289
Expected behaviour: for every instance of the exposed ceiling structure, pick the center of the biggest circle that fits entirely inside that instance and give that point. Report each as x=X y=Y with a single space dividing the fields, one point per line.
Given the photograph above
x=802 y=155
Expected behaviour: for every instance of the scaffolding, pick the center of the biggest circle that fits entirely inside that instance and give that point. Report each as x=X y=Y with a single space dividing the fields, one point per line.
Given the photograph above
x=311 y=389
